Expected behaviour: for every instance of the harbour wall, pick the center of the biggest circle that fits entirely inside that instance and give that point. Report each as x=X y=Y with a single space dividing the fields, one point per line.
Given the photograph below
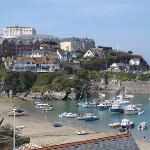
x=137 y=86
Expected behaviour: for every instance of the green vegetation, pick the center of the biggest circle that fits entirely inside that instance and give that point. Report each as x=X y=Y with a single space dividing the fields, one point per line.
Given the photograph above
x=56 y=81
x=18 y=82
x=68 y=78
x=96 y=75
x=144 y=77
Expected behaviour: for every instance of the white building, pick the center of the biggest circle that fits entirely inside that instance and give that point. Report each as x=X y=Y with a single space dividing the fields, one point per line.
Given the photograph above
x=12 y=31
x=76 y=44
x=94 y=52
x=134 y=61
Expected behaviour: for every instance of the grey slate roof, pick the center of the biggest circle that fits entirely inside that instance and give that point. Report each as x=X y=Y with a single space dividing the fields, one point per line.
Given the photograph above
x=116 y=142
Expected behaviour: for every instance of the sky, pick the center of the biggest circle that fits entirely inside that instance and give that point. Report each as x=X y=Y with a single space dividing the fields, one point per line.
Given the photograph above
x=125 y=23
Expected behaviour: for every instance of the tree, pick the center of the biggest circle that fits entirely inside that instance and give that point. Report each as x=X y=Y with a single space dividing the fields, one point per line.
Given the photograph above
x=130 y=52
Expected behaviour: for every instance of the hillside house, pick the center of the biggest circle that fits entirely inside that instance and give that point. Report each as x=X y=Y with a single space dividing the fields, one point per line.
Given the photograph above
x=94 y=52
x=119 y=67
x=134 y=61
x=33 y=64
x=64 y=56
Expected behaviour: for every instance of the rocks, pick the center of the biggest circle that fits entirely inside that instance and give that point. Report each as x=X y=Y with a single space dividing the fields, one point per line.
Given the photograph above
x=72 y=95
x=52 y=95
x=35 y=95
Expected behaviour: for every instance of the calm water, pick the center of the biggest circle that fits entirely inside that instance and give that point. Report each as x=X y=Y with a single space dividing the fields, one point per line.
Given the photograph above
x=105 y=116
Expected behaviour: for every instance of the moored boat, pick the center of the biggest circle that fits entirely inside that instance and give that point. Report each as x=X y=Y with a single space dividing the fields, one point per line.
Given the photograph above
x=46 y=108
x=57 y=124
x=130 y=110
x=82 y=132
x=70 y=115
x=116 y=109
x=142 y=126
x=104 y=105
x=90 y=117
x=62 y=115
x=126 y=123
x=115 y=125
x=17 y=111
x=80 y=118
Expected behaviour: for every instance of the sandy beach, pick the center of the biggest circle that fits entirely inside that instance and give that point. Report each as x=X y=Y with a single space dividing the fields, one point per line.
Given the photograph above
x=42 y=132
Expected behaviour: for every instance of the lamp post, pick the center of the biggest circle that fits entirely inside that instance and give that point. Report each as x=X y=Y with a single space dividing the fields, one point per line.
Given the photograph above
x=14 y=138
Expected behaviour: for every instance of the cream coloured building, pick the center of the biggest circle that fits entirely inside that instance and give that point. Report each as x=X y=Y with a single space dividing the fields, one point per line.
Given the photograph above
x=66 y=46
x=76 y=44
x=12 y=31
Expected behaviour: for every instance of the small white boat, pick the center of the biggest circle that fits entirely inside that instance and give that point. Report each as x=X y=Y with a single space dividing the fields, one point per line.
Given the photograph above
x=70 y=115
x=17 y=111
x=62 y=115
x=140 y=112
x=131 y=109
x=142 y=126
x=40 y=105
x=126 y=123
x=115 y=125
x=82 y=132
x=46 y=108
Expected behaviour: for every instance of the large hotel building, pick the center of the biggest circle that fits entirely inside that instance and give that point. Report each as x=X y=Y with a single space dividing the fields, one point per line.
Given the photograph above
x=12 y=31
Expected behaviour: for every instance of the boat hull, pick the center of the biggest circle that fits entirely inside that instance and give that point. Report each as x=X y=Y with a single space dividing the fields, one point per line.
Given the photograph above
x=104 y=107
x=120 y=110
x=130 y=112
x=90 y=118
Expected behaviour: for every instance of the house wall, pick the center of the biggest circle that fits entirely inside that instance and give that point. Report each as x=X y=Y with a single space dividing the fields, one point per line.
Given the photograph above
x=66 y=46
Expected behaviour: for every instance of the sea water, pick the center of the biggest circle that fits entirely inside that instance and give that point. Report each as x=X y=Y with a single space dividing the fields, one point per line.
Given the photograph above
x=105 y=116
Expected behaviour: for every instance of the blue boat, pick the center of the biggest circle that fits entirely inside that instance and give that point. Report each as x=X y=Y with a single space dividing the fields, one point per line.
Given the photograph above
x=116 y=109
x=90 y=117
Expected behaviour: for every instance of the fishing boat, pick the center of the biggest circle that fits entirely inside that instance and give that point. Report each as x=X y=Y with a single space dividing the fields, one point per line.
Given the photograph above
x=90 y=117
x=130 y=110
x=17 y=111
x=116 y=109
x=104 y=105
x=57 y=124
x=142 y=126
x=115 y=125
x=126 y=123
x=82 y=132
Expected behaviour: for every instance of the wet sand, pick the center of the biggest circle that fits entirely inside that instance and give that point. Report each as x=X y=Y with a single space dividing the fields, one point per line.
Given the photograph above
x=42 y=132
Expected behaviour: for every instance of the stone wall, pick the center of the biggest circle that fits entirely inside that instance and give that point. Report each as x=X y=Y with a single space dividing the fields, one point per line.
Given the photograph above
x=137 y=87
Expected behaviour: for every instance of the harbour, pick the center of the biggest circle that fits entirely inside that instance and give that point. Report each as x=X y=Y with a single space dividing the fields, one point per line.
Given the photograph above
x=105 y=117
